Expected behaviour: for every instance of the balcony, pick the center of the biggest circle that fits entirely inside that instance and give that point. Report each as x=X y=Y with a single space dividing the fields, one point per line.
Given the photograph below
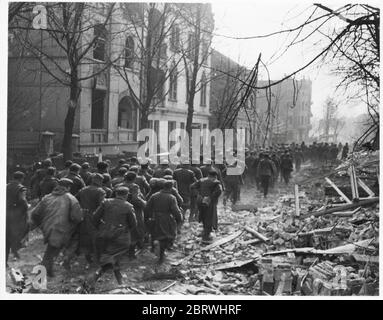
x=126 y=135
x=98 y=136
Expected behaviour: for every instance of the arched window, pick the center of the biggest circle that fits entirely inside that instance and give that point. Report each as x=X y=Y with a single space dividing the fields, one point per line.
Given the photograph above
x=173 y=77
x=127 y=114
x=203 y=90
x=100 y=34
x=155 y=24
x=129 y=52
x=175 y=38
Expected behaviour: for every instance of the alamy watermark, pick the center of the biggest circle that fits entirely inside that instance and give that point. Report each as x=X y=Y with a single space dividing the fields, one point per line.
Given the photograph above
x=225 y=151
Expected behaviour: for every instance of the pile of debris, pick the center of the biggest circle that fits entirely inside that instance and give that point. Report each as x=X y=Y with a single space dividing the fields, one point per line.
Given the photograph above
x=305 y=244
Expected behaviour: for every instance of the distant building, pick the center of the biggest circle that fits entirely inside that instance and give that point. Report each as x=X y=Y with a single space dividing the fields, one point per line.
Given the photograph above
x=226 y=92
x=290 y=111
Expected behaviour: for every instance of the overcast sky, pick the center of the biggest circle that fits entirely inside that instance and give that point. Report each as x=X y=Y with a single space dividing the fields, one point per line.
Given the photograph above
x=250 y=18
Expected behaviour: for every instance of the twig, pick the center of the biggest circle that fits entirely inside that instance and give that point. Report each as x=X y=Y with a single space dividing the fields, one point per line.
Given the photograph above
x=169 y=286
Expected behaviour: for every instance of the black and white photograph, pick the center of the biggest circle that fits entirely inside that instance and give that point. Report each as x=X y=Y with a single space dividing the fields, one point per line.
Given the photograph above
x=191 y=149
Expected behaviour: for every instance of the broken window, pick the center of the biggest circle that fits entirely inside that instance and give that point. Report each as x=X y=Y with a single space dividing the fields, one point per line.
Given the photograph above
x=98 y=108
x=100 y=42
x=129 y=52
x=173 y=83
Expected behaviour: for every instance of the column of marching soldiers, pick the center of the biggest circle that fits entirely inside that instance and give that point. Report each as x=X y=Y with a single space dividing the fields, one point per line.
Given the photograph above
x=106 y=213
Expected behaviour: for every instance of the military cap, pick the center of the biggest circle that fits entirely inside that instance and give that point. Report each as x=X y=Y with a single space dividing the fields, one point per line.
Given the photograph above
x=68 y=163
x=102 y=165
x=212 y=172
x=168 y=184
x=51 y=171
x=47 y=163
x=75 y=167
x=18 y=175
x=85 y=165
x=97 y=177
x=122 y=171
x=130 y=176
x=122 y=191
x=65 y=182
x=134 y=168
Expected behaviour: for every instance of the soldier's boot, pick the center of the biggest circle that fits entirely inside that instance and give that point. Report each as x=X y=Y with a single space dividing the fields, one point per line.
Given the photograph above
x=48 y=258
x=132 y=253
x=206 y=238
x=162 y=255
x=89 y=285
x=156 y=248
x=118 y=275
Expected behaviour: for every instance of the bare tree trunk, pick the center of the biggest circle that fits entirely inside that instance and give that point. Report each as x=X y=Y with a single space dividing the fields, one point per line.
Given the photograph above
x=193 y=84
x=70 y=117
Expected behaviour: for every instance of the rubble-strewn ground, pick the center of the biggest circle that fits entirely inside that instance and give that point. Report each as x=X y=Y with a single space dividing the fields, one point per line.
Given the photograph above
x=243 y=264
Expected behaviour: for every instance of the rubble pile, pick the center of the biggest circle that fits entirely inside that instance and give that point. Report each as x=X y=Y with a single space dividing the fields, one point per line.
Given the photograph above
x=274 y=251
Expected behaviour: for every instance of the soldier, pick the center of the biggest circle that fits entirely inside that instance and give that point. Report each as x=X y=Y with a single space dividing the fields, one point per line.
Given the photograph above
x=16 y=216
x=65 y=172
x=38 y=177
x=114 y=172
x=119 y=178
x=162 y=209
x=286 y=167
x=298 y=157
x=49 y=182
x=193 y=193
x=209 y=189
x=266 y=172
x=129 y=179
x=74 y=175
x=57 y=215
x=255 y=170
x=232 y=186
x=116 y=220
x=159 y=172
x=140 y=181
x=345 y=151
x=90 y=198
x=250 y=174
x=184 y=178
x=138 y=235
x=277 y=164
x=145 y=171
x=85 y=173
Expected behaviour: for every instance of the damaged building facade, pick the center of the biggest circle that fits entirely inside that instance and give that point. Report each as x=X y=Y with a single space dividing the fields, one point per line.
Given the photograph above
x=107 y=116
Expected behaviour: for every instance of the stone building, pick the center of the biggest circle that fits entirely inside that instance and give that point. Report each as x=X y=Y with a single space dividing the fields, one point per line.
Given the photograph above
x=107 y=117
x=290 y=111
x=226 y=94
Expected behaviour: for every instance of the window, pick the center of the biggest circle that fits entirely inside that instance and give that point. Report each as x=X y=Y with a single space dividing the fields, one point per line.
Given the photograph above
x=133 y=11
x=157 y=131
x=163 y=50
x=191 y=46
x=99 y=44
x=205 y=48
x=98 y=107
x=171 y=127
x=203 y=90
x=129 y=52
x=173 y=83
x=127 y=114
x=175 y=38
x=156 y=85
x=155 y=24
